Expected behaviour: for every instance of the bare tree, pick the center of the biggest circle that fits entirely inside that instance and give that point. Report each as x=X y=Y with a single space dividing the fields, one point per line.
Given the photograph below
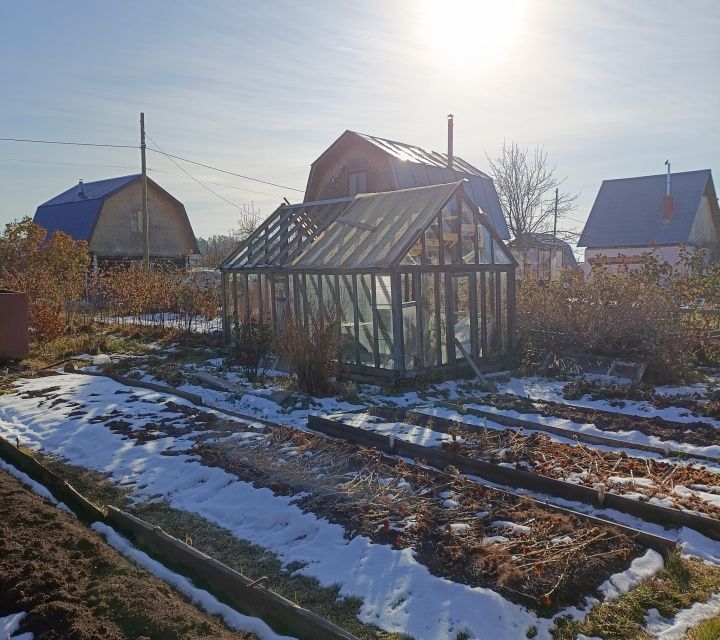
x=216 y=248
x=526 y=183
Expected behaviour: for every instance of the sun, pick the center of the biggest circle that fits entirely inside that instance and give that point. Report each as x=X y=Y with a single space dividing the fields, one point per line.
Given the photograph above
x=470 y=33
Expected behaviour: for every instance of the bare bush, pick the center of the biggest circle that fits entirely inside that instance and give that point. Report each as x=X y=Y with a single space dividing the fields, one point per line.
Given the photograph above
x=311 y=349
x=631 y=314
x=252 y=341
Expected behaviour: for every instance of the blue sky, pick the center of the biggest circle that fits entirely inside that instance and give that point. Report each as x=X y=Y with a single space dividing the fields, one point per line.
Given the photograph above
x=610 y=89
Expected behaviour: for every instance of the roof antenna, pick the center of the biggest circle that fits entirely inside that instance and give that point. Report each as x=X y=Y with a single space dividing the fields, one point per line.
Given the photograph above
x=450 y=141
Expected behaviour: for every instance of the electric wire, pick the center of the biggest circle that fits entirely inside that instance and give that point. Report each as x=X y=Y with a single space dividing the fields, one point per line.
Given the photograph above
x=74 y=144
x=232 y=173
x=202 y=184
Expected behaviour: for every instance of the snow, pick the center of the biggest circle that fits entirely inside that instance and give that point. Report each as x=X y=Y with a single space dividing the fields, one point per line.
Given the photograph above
x=200 y=597
x=10 y=624
x=640 y=569
x=675 y=627
x=376 y=573
x=515 y=528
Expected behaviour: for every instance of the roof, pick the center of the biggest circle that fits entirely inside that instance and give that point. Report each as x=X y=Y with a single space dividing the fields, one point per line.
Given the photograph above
x=413 y=166
x=540 y=240
x=77 y=214
x=375 y=229
x=285 y=234
x=411 y=153
x=626 y=212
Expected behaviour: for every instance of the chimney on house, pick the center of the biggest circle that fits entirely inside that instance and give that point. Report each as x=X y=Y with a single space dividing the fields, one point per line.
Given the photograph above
x=450 y=141
x=81 y=188
x=666 y=211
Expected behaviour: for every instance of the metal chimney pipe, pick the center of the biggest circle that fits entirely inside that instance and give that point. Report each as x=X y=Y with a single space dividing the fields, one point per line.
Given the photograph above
x=667 y=187
x=450 y=141
x=81 y=188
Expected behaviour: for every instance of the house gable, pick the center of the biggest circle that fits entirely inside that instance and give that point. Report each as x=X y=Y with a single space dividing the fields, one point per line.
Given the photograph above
x=118 y=230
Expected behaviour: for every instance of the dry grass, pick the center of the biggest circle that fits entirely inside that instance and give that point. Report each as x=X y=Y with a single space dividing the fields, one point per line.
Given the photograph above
x=681 y=583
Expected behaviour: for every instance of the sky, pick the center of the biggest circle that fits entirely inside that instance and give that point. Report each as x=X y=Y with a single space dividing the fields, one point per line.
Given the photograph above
x=609 y=89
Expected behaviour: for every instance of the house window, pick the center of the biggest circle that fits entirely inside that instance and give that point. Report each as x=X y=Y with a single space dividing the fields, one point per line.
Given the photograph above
x=357 y=182
x=135 y=221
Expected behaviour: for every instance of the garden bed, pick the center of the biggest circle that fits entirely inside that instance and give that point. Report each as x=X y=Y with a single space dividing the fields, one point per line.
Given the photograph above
x=459 y=529
x=690 y=487
x=696 y=433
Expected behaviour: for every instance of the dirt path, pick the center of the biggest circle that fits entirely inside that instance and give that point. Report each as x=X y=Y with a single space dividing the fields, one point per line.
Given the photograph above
x=73 y=585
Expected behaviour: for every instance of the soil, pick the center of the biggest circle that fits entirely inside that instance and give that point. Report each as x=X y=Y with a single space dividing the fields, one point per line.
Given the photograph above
x=539 y=453
x=74 y=586
x=695 y=433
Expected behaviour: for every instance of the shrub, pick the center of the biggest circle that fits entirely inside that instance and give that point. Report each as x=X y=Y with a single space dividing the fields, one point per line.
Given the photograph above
x=51 y=271
x=638 y=314
x=311 y=349
x=252 y=340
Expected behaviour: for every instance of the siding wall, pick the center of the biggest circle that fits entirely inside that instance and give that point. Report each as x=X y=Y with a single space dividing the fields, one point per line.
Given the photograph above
x=170 y=234
x=329 y=177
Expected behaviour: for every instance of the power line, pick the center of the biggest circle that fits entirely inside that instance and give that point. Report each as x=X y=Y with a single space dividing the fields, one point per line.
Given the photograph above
x=74 y=144
x=217 y=184
x=232 y=173
x=67 y=164
x=202 y=184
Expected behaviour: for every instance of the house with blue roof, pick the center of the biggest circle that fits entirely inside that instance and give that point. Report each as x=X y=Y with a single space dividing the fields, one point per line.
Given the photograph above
x=659 y=213
x=107 y=215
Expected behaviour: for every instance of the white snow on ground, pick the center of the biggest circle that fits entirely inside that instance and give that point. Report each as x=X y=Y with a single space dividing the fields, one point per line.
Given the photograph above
x=430 y=607
x=200 y=597
x=544 y=389
x=10 y=624
x=640 y=569
x=674 y=628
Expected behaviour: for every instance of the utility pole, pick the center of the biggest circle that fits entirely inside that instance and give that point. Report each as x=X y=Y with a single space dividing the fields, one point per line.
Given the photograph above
x=554 y=240
x=143 y=183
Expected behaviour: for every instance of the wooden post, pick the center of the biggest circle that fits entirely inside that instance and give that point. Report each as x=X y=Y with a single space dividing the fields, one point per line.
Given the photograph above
x=143 y=182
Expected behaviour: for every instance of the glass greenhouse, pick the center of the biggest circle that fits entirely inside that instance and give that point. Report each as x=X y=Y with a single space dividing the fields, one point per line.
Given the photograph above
x=421 y=279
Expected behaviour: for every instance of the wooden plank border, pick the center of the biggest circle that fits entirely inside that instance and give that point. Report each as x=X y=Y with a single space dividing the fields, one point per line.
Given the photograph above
x=441 y=459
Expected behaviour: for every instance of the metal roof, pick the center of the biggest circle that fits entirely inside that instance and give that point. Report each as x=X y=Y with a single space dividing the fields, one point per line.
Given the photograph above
x=76 y=214
x=414 y=166
x=375 y=228
x=626 y=212
x=411 y=153
x=285 y=234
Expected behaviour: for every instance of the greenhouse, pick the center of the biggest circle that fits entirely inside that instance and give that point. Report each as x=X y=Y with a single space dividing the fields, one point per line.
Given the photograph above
x=422 y=282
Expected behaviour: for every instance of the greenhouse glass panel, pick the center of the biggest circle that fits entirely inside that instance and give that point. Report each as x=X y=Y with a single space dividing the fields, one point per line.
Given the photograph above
x=253 y=294
x=503 y=311
x=415 y=255
x=491 y=315
x=347 y=320
x=266 y=299
x=441 y=284
x=409 y=312
x=432 y=244
x=428 y=308
x=282 y=301
x=500 y=255
x=468 y=235
x=365 y=320
x=451 y=234
x=461 y=314
x=386 y=345
x=485 y=255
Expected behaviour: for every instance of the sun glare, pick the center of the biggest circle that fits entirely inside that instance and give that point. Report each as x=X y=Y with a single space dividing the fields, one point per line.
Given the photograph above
x=469 y=33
